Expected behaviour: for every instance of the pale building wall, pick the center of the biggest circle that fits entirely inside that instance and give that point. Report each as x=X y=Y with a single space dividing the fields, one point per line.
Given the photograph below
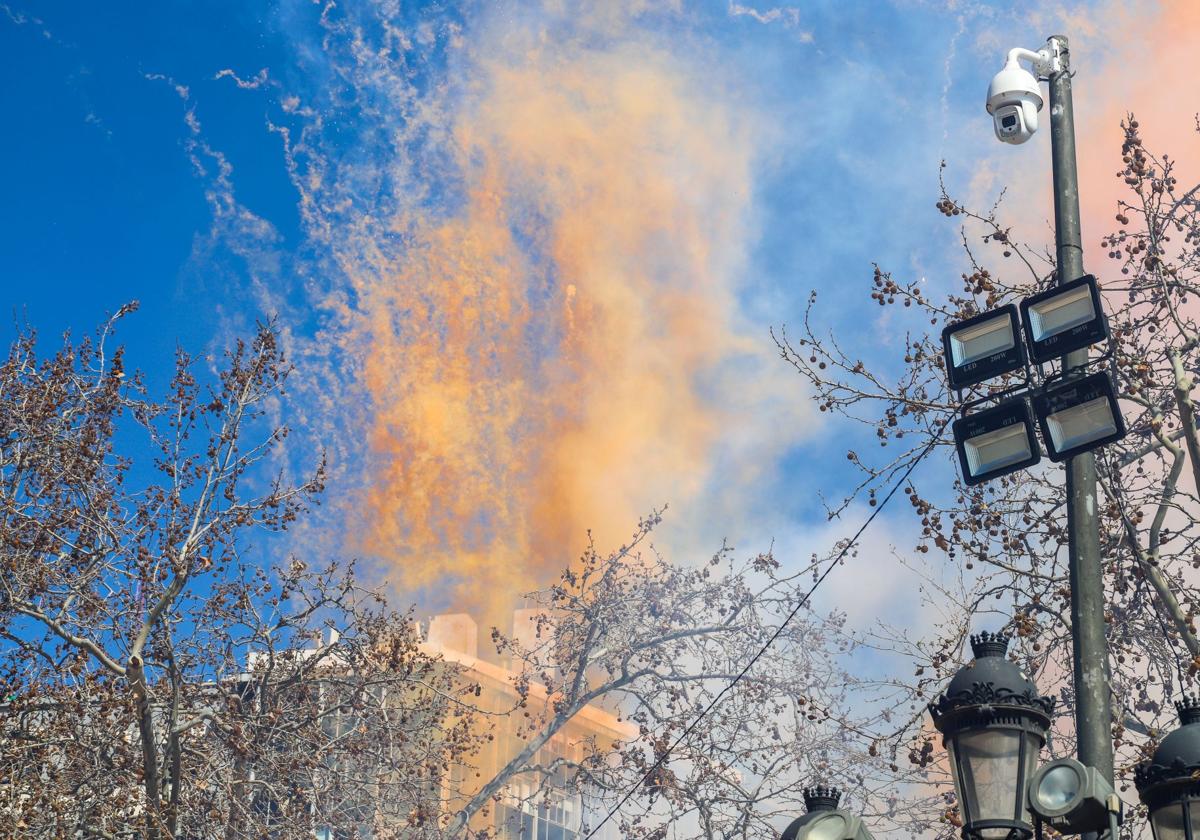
x=455 y=637
x=455 y=631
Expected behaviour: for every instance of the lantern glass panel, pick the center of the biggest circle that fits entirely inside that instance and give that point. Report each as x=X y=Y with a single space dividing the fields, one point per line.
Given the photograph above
x=1167 y=822
x=1079 y=424
x=956 y=777
x=832 y=827
x=982 y=340
x=989 y=761
x=998 y=449
x=1033 y=748
x=1061 y=312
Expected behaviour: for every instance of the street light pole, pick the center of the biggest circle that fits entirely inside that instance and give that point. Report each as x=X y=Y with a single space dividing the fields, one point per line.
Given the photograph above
x=1077 y=412
x=1093 y=708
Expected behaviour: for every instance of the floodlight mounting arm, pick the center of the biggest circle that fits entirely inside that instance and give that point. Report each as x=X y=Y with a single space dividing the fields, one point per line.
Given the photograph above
x=1024 y=386
x=1109 y=355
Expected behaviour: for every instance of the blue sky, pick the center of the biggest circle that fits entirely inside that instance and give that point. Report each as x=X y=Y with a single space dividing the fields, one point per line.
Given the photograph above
x=321 y=177
x=105 y=205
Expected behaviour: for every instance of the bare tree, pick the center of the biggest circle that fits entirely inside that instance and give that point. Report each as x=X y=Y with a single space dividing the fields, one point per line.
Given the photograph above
x=657 y=642
x=155 y=684
x=158 y=684
x=1004 y=542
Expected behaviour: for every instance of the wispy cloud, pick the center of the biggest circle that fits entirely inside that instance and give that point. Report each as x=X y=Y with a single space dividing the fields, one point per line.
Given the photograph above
x=23 y=19
x=253 y=83
x=788 y=16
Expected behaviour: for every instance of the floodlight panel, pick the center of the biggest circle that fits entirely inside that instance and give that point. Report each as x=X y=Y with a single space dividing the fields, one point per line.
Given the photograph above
x=1061 y=313
x=998 y=449
x=1078 y=415
x=1058 y=788
x=1081 y=424
x=996 y=441
x=983 y=347
x=1063 y=319
x=982 y=340
x=1070 y=796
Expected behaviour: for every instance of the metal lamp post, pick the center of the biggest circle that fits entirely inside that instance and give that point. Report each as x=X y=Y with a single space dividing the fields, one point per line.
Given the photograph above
x=824 y=820
x=1018 y=100
x=1093 y=707
x=994 y=724
x=1169 y=783
x=993 y=721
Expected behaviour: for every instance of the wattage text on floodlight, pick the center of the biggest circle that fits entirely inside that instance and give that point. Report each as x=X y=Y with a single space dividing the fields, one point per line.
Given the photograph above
x=1070 y=797
x=996 y=441
x=1079 y=414
x=983 y=347
x=1065 y=318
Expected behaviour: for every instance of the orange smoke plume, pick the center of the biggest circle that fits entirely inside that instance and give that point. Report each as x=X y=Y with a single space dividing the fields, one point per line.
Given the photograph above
x=1147 y=74
x=559 y=352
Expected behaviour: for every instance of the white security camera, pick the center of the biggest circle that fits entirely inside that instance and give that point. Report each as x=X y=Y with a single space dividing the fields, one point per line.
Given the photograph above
x=1015 y=97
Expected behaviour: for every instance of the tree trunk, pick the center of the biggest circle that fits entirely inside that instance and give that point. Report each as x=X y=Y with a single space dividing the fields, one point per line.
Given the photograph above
x=145 y=718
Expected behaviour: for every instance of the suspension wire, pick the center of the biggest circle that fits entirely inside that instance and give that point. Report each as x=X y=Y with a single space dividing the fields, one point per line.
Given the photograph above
x=795 y=611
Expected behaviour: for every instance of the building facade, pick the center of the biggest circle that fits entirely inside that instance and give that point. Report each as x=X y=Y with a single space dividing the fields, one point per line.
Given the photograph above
x=545 y=807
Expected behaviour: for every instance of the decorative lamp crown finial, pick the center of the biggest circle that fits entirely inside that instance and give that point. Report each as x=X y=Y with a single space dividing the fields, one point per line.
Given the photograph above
x=1189 y=709
x=821 y=798
x=989 y=644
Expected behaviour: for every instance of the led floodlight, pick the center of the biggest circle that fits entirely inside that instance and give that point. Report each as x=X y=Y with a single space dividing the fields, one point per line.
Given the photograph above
x=996 y=441
x=1078 y=415
x=1065 y=318
x=1070 y=797
x=983 y=347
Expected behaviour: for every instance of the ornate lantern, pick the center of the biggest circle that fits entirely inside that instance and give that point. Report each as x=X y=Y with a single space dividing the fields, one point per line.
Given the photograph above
x=993 y=724
x=1169 y=783
x=824 y=820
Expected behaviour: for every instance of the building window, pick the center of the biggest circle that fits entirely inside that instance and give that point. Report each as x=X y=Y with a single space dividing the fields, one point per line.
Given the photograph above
x=554 y=820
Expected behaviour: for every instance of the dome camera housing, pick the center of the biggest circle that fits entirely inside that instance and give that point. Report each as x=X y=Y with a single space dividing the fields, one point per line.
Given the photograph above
x=1014 y=99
